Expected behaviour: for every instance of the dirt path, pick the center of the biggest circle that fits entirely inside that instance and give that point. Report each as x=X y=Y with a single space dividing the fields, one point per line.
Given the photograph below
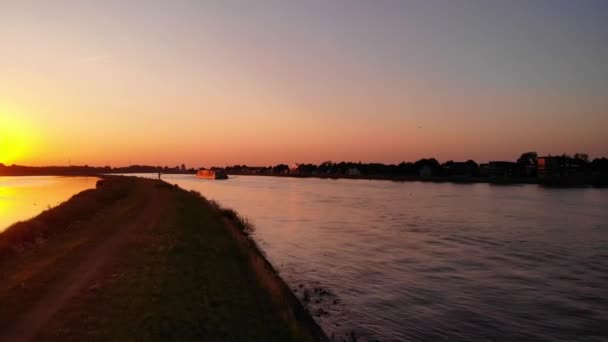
x=87 y=271
x=139 y=257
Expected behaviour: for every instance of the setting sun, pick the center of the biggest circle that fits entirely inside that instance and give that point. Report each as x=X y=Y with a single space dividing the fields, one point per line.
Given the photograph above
x=15 y=136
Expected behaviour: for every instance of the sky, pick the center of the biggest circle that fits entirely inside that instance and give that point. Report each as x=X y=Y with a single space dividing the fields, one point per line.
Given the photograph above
x=265 y=82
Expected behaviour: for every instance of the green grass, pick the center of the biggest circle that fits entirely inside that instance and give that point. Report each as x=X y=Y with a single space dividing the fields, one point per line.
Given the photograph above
x=58 y=220
x=193 y=275
x=53 y=243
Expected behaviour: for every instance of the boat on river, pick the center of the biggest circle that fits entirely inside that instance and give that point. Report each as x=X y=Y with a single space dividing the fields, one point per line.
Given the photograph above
x=212 y=174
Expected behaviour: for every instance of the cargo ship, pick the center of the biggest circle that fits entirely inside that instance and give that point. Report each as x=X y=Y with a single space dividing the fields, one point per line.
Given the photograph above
x=212 y=174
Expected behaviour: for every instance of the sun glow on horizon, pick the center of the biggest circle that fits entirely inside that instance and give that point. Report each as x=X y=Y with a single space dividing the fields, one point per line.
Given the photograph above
x=16 y=136
x=199 y=83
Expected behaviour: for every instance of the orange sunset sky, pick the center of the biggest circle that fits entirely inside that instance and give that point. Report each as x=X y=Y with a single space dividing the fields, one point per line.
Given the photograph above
x=260 y=83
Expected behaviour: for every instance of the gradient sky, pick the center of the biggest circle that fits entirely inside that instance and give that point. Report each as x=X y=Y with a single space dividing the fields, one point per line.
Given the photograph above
x=262 y=82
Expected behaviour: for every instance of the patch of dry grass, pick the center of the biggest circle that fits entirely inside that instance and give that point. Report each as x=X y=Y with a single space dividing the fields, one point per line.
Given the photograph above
x=63 y=218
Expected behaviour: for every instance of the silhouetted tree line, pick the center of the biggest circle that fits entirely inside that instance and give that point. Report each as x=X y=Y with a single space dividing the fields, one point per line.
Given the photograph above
x=523 y=170
x=19 y=170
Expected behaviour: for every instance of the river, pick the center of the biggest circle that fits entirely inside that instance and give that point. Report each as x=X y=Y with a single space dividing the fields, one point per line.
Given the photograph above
x=414 y=261
x=432 y=261
x=22 y=198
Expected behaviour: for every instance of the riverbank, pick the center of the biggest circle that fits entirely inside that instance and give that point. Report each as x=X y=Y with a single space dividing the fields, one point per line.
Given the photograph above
x=401 y=178
x=141 y=258
x=564 y=183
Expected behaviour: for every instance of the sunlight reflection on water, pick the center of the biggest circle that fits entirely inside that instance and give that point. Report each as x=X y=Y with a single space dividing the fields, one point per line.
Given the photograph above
x=22 y=198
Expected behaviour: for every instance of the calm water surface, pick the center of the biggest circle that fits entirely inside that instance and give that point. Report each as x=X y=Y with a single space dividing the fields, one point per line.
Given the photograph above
x=412 y=261
x=423 y=261
x=22 y=198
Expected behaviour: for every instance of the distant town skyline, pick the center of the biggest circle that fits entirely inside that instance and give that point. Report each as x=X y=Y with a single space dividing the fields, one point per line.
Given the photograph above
x=262 y=83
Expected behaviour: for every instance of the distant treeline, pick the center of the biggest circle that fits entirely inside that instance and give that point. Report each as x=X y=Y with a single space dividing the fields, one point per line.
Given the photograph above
x=528 y=168
x=560 y=170
x=18 y=170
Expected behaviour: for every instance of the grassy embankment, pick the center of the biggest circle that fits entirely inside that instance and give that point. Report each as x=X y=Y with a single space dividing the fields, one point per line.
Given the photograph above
x=142 y=260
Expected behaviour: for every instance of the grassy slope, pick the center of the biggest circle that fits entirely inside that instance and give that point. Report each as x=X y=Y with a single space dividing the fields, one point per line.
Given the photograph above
x=192 y=275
